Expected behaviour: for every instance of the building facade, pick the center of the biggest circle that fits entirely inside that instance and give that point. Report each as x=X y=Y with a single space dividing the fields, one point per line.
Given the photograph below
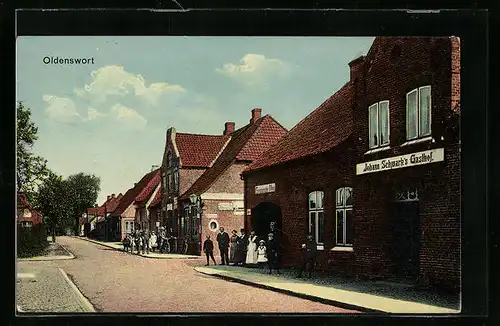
x=380 y=190
x=216 y=198
x=26 y=216
x=185 y=158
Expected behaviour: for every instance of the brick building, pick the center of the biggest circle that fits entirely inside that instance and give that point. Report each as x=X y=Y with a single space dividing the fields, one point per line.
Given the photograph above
x=123 y=219
x=185 y=158
x=374 y=172
x=26 y=215
x=219 y=189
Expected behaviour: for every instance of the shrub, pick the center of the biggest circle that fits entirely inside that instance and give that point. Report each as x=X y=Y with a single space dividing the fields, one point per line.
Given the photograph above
x=31 y=241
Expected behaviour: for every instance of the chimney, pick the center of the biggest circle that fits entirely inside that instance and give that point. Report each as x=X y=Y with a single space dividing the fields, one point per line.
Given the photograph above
x=228 y=128
x=255 y=115
x=356 y=66
x=109 y=197
x=112 y=195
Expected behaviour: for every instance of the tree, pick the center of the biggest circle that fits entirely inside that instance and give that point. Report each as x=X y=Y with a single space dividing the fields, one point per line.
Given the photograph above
x=82 y=192
x=52 y=203
x=31 y=169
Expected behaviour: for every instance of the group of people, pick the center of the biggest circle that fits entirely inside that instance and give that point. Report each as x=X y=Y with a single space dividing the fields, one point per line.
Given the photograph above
x=247 y=250
x=145 y=241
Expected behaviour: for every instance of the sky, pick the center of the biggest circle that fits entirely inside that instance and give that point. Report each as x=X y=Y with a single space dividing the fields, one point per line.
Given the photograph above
x=109 y=117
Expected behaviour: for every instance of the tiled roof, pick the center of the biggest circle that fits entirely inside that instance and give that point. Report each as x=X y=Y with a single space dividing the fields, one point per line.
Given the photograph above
x=246 y=144
x=146 y=193
x=199 y=150
x=92 y=210
x=157 y=200
x=22 y=201
x=132 y=193
x=323 y=129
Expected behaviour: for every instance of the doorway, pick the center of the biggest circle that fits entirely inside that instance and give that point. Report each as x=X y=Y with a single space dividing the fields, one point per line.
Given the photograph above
x=262 y=215
x=406 y=240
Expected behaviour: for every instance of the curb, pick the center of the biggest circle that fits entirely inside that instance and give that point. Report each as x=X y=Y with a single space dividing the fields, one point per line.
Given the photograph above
x=142 y=255
x=336 y=303
x=88 y=307
x=45 y=258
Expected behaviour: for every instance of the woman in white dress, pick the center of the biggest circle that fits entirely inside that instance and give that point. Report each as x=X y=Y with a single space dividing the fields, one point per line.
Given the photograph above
x=252 y=249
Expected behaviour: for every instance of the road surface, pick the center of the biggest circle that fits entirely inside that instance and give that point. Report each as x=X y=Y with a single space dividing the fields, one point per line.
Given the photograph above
x=114 y=281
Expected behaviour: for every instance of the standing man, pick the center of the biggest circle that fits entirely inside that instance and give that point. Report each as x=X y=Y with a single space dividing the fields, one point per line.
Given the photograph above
x=277 y=239
x=223 y=241
x=272 y=251
x=208 y=248
x=146 y=241
x=309 y=251
x=242 y=247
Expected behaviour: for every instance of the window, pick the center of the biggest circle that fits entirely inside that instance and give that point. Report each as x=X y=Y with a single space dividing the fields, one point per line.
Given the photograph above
x=213 y=225
x=169 y=183
x=418 y=113
x=316 y=216
x=169 y=159
x=343 y=219
x=378 y=125
x=176 y=180
x=26 y=224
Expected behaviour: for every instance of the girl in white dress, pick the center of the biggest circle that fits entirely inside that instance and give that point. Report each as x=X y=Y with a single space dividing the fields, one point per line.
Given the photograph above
x=261 y=254
x=252 y=249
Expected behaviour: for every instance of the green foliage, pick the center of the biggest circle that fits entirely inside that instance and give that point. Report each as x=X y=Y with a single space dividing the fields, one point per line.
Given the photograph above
x=31 y=169
x=51 y=200
x=31 y=241
x=82 y=191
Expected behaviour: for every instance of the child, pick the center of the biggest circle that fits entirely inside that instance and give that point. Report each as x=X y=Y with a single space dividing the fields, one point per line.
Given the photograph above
x=261 y=254
x=208 y=248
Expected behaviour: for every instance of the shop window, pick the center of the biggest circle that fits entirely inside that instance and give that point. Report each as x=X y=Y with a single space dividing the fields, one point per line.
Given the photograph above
x=343 y=219
x=378 y=124
x=418 y=113
x=316 y=216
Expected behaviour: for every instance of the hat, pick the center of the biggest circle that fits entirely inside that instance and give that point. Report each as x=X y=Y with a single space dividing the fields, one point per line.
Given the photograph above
x=262 y=241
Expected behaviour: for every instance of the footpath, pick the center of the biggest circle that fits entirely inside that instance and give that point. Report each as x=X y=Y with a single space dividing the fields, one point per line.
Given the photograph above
x=366 y=296
x=44 y=288
x=119 y=246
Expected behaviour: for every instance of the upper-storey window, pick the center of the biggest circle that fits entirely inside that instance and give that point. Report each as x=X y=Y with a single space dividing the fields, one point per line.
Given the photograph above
x=418 y=113
x=169 y=159
x=176 y=180
x=378 y=126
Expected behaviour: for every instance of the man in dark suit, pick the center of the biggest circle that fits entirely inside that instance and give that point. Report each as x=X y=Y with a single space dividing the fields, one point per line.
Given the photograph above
x=309 y=250
x=242 y=247
x=273 y=254
x=223 y=241
x=277 y=239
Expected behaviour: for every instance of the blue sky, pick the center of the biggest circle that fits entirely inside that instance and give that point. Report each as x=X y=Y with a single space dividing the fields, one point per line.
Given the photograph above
x=109 y=118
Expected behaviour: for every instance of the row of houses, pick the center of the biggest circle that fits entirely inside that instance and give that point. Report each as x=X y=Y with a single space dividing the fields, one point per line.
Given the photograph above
x=373 y=172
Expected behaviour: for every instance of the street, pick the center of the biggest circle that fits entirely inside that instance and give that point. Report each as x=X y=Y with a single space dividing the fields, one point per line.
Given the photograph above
x=114 y=281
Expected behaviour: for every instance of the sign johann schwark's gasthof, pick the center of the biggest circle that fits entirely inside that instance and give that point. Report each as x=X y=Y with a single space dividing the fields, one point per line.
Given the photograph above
x=402 y=161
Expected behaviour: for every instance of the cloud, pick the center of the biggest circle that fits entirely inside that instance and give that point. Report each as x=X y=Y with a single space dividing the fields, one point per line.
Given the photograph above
x=128 y=117
x=93 y=114
x=255 y=70
x=61 y=109
x=115 y=80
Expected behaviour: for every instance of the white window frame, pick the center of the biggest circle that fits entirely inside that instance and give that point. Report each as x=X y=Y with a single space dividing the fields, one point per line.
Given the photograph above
x=216 y=225
x=388 y=140
x=344 y=208
x=26 y=224
x=313 y=213
x=417 y=115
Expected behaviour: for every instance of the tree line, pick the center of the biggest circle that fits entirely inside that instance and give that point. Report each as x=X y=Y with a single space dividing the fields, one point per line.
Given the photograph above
x=61 y=201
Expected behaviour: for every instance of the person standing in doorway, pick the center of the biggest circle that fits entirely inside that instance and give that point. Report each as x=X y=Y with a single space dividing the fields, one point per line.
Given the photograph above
x=277 y=239
x=309 y=251
x=251 y=257
x=223 y=241
x=208 y=248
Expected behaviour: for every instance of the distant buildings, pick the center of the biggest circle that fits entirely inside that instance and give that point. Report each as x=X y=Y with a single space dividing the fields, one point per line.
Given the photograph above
x=26 y=216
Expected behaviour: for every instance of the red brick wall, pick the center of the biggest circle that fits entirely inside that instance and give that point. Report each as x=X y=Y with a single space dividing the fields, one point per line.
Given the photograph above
x=294 y=181
x=227 y=219
x=230 y=181
x=422 y=62
x=187 y=177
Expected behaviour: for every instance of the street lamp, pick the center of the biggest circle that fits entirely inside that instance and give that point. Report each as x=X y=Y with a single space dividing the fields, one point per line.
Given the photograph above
x=195 y=201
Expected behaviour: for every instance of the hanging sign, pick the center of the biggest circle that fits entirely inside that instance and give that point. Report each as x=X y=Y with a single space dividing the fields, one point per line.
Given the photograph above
x=262 y=189
x=249 y=211
x=211 y=216
x=169 y=207
x=402 y=161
